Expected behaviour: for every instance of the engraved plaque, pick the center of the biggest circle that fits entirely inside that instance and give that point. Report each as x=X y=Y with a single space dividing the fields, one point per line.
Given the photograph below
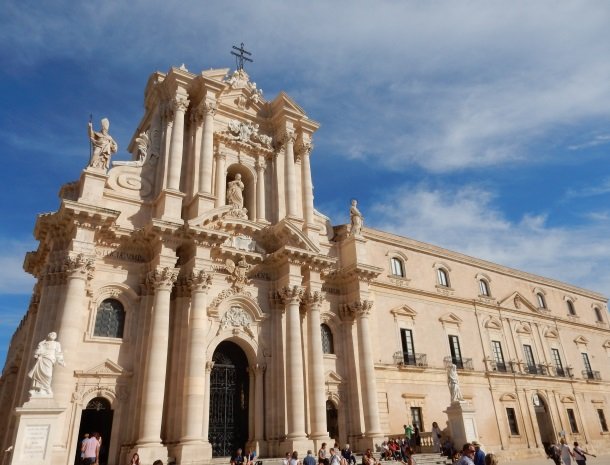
x=35 y=442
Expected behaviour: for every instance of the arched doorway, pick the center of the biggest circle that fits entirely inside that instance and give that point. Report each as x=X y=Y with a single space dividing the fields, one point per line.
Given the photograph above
x=229 y=388
x=96 y=418
x=545 y=424
x=332 y=420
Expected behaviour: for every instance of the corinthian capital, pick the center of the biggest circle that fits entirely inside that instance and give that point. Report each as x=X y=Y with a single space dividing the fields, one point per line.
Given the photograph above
x=162 y=278
x=303 y=148
x=362 y=308
x=313 y=299
x=78 y=265
x=209 y=107
x=199 y=281
x=291 y=294
x=180 y=103
x=285 y=136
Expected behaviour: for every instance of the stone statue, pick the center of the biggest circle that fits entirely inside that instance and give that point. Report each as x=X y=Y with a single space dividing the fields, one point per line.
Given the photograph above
x=103 y=146
x=46 y=354
x=356 y=219
x=235 y=189
x=454 y=384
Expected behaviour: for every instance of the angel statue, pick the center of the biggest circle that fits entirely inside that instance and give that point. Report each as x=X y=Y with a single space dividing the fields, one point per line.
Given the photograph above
x=238 y=271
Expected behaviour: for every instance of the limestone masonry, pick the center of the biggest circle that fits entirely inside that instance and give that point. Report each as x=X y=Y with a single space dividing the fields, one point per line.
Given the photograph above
x=193 y=300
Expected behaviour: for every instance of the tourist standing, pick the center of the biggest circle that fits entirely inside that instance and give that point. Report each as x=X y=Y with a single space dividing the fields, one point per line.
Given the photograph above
x=566 y=453
x=436 y=437
x=467 y=455
x=294 y=459
x=91 y=450
x=323 y=455
x=417 y=439
x=309 y=458
x=479 y=455
x=579 y=454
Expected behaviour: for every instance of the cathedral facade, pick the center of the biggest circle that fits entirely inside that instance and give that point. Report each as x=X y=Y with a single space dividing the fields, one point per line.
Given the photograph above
x=201 y=303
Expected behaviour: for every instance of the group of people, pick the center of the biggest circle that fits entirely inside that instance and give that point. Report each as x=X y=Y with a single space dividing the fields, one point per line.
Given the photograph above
x=562 y=454
x=239 y=458
x=472 y=454
x=334 y=456
x=90 y=448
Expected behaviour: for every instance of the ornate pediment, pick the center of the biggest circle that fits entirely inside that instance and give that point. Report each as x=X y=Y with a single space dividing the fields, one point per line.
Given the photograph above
x=451 y=319
x=581 y=340
x=508 y=397
x=107 y=369
x=551 y=333
x=523 y=328
x=493 y=323
x=333 y=378
x=518 y=302
x=404 y=311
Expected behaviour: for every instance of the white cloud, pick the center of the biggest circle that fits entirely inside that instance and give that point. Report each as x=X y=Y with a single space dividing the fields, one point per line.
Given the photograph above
x=467 y=220
x=590 y=191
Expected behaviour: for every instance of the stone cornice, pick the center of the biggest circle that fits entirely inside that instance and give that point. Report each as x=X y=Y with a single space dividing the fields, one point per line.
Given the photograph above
x=358 y=271
x=397 y=241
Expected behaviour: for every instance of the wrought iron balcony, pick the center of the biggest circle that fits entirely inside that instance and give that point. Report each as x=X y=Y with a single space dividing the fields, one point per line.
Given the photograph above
x=561 y=372
x=460 y=363
x=409 y=359
x=592 y=375
x=537 y=369
x=500 y=367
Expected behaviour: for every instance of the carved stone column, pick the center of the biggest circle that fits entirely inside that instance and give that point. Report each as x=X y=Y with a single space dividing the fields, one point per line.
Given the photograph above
x=313 y=302
x=291 y=297
x=259 y=406
x=307 y=186
x=153 y=392
x=260 y=189
x=372 y=426
x=206 y=400
x=220 y=180
x=78 y=269
x=194 y=176
x=207 y=148
x=180 y=104
x=199 y=283
x=289 y=174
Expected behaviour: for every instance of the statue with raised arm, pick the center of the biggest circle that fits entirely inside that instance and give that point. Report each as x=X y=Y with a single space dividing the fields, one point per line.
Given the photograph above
x=454 y=384
x=356 y=219
x=47 y=354
x=102 y=144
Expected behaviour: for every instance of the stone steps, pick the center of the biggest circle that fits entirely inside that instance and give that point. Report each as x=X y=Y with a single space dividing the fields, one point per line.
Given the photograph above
x=420 y=459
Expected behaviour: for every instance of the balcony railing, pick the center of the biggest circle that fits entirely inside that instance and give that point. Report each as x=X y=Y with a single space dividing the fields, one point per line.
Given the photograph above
x=561 y=372
x=417 y=360
x=460 y=363
x=537 y=369
x=593 y=375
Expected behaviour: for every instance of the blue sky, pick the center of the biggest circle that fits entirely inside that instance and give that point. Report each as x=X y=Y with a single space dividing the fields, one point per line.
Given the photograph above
x=479 y=126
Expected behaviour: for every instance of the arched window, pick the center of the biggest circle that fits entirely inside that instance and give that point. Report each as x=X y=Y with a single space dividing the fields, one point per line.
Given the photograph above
x=571 y=309
x=398 y=268
x=541 y=301
x=484 y=287
x=598 y=314
x=443 y=277
x=110 y=319
x=327 y=339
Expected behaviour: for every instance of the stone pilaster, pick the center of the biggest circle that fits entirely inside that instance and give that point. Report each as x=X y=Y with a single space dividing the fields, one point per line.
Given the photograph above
x=153 y=393
x=220 y=180
x=307 y=186
x=260 y=189
x=317 y=404
x=207 y=148
x=289 y=174
x=206 y=400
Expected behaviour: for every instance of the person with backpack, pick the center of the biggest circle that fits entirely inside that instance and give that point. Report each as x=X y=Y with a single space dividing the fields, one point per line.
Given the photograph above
x=580 y=454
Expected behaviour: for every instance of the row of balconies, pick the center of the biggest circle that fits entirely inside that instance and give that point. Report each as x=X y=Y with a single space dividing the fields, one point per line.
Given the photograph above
x=405 y=359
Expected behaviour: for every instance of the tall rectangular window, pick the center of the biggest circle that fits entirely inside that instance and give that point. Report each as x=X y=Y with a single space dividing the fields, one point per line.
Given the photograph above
x=602 y=420
x=557 y=362
x=417 y=418
x=456 y=352
x=498 y=356
x=585 y=361
x=512 y=421
x=572 y=420
x=529 y=359
x=408 y=349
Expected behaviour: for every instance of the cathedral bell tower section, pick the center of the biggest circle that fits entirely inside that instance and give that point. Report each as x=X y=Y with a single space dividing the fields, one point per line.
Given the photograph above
x=217 y=144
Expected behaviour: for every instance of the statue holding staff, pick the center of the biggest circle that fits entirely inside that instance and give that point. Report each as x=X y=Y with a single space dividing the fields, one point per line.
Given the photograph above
x=103 y=145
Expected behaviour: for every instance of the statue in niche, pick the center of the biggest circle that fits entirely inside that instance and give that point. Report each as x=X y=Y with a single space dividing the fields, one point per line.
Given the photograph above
x=454 y=384
x=356 y=219
x=235 y=189
x=102 y=145
x=47 y=354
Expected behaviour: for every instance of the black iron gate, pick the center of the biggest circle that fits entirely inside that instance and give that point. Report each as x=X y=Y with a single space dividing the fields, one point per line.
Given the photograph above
x=228 y=427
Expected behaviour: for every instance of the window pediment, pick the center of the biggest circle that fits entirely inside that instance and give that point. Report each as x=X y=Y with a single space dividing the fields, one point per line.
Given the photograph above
x=551 y=333
x=508 y=397
x=581 y=340
x=403 y=312
x=451 y=318
x=493 y=323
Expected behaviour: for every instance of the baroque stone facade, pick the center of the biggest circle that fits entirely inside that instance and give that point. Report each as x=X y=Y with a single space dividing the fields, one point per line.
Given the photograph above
x=202 y=303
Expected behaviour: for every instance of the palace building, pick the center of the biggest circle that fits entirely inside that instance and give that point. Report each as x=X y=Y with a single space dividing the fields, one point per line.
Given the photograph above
x=202 y=304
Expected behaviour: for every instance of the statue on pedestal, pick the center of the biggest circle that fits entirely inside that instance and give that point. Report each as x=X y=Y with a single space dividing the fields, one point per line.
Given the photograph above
x=356 y=219
x=454 y=384
x=235 y=189
x=46 y=354
x=102 y=144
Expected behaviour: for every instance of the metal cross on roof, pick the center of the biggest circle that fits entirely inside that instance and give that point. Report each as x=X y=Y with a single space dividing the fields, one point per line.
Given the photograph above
x=240 y=58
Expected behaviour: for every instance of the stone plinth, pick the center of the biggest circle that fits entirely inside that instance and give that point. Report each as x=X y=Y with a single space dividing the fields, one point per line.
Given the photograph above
x=462 y=424
x=92 y=182
x=36 y=432
x=169 y=206
x=195 y=452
